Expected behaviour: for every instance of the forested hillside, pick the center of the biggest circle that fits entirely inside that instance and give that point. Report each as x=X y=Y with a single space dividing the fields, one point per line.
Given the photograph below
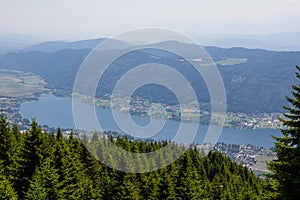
x=37 y=165
x=250 y=75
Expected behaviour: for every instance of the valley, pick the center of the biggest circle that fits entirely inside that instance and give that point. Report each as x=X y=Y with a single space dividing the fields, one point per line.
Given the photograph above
x=252 y=100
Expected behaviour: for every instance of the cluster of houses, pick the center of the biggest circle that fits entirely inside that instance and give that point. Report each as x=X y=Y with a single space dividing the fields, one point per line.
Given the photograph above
x=242 y=154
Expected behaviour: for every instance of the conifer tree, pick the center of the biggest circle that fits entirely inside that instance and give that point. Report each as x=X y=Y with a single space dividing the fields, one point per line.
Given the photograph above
x=168 y=181
x=129 y=188
x=44 y=183
x=286 y=167
x=74 y=181
x=8 y=149
x=6 y=188
x=34 y=150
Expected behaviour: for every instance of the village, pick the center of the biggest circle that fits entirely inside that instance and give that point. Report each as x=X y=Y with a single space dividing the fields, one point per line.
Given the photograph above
x=144 y=108
x=253 y=157
x=9 y=106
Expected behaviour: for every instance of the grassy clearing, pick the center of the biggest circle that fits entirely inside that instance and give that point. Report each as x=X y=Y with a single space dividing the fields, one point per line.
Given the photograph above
x=231 y=61
x=20 y=84
x=261 y=164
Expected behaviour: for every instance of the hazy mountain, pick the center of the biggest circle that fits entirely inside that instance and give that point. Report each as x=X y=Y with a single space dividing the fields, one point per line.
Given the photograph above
x=61 y=45
x=13 y=43
x=276 y=41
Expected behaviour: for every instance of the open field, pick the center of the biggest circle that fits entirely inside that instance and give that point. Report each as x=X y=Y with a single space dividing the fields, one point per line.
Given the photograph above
x=261 y=164
x=20 y=84
x=232 y=61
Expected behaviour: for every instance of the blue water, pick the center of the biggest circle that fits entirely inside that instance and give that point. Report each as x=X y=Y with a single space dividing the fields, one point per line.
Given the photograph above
x=57 y=112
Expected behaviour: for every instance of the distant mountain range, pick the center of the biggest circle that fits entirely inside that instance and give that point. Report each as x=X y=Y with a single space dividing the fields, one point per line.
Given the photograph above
x=275 y=41
x=289 y=41
x=61 y=45
x=255 y=80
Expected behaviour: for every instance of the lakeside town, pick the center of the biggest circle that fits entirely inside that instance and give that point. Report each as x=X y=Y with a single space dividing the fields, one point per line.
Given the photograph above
x=9 y=106
x=188 y=112
x=253 y=157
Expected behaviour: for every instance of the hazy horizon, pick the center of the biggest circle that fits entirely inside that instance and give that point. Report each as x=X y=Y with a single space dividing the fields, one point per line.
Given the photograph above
x=77 y=19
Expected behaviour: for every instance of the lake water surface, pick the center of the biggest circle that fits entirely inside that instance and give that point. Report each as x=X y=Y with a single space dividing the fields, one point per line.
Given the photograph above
x=57 y=112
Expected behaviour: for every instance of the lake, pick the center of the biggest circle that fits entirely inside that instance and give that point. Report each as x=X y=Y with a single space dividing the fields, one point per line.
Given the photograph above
x=57 y=112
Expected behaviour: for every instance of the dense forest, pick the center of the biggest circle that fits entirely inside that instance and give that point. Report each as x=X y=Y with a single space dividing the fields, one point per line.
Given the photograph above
x=38 y=165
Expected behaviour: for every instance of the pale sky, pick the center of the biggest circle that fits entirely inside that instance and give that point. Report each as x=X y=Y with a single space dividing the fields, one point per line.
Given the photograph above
x=74 y=19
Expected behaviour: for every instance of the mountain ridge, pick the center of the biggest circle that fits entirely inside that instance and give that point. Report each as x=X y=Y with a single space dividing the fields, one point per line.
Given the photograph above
x=251 y=86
